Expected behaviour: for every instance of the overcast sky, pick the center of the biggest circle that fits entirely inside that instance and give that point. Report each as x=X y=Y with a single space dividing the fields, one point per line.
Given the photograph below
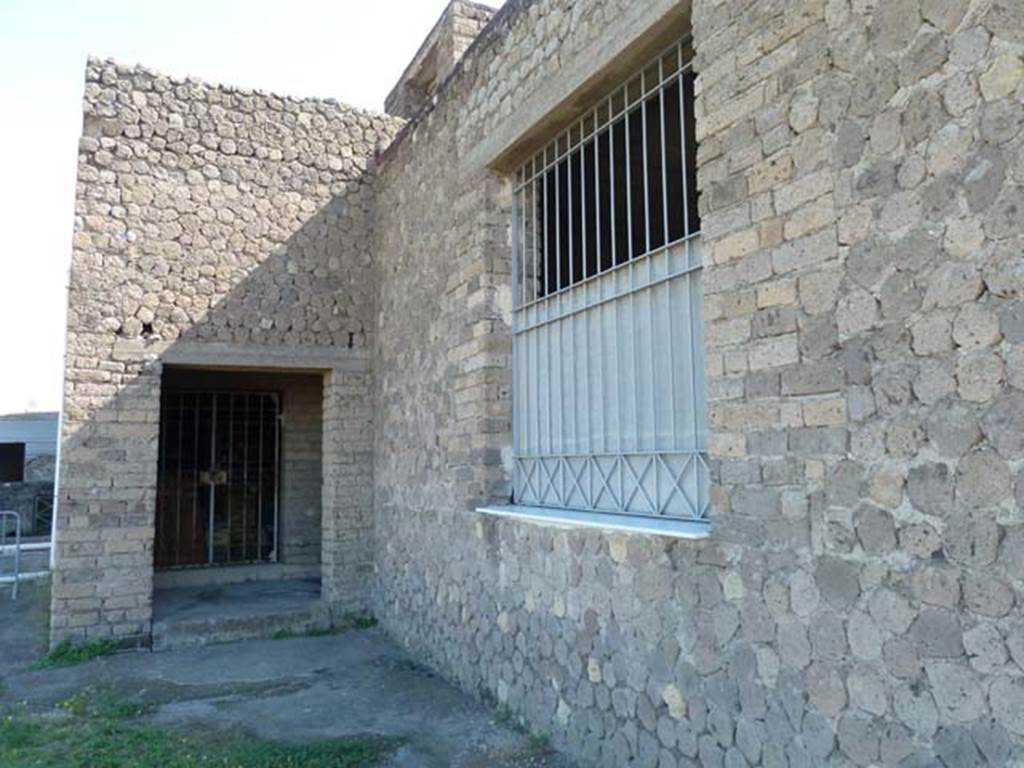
x=351 y=50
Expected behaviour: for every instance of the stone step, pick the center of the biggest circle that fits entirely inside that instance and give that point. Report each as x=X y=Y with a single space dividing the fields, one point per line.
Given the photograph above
x=224 y=613
x=187 y=633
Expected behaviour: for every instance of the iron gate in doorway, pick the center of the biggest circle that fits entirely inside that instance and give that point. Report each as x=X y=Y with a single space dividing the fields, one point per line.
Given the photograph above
x=217 y=500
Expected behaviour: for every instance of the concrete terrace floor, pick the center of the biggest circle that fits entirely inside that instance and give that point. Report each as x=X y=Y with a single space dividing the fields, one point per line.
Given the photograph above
x=300 y=689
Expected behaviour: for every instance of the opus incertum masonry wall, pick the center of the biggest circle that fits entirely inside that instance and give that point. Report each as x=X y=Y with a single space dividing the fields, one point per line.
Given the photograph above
x=859 y=599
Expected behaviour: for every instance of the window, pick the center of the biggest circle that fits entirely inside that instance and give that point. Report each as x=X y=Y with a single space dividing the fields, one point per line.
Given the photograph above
x=608 y=386
x=12 y=462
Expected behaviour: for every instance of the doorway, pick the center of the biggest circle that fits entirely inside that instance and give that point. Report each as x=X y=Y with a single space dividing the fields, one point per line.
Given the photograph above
x=218 y=478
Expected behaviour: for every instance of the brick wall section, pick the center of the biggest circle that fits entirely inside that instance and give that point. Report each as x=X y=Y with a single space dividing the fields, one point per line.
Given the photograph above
x=348 y=492
x=207 y=218
x=301 y=473
x=859 y=600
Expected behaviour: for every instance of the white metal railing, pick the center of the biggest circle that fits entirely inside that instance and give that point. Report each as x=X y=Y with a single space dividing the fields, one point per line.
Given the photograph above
x=30 y=546
x=608 y=387
x=15 y=579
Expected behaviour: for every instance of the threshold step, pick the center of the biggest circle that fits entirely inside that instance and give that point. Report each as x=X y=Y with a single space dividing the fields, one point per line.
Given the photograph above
x=185 y=634
x=194 y=616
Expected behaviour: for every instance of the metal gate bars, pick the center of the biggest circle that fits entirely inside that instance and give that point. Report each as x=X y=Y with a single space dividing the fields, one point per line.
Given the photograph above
x=217 y=502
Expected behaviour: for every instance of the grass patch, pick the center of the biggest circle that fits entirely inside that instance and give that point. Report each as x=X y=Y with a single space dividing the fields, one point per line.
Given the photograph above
x=104 y=734
x=357 y=621
x=67 y=653
x=341 y=753
x=506 y=717
x=345 y=622
x=103 y=706
x=537 y=744
x=540 y=744
x=288 y=634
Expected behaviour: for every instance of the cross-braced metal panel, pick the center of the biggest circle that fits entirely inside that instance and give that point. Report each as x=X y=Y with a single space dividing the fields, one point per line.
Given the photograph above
x=609 y=396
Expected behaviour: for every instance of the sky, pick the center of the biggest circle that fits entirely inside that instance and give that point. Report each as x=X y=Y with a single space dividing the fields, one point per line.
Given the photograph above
x=351 y=50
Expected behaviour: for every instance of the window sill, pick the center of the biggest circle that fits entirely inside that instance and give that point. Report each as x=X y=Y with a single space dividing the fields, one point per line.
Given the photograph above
x=675 y=528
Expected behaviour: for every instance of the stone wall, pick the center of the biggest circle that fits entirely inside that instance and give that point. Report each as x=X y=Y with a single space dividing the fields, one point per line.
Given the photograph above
x=858 y=602
x=40 y=469
x=861 y=173
x=437 y=57
x=21 y=498
x=36 y=434
x=214 y=226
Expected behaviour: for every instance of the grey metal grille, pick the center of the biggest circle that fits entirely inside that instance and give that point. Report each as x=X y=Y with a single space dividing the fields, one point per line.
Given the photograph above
x=218 y=478
x=608 y=389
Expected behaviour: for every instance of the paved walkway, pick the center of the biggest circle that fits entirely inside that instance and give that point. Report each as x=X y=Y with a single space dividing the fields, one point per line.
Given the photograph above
x=23 y=626
x=298 y=689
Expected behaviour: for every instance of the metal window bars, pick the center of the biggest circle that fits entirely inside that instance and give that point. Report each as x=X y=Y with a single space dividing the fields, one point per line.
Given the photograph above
x=608 y=394
x=219 y=478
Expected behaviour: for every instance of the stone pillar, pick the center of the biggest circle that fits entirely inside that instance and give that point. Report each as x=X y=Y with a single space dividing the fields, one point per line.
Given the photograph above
x=103 y=574
x=347 y=558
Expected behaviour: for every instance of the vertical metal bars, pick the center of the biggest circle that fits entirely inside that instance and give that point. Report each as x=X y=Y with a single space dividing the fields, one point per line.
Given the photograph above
x=608 y=368
x=212 y=484
x=273 y=555
x=219 y=472
x=643 y=94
